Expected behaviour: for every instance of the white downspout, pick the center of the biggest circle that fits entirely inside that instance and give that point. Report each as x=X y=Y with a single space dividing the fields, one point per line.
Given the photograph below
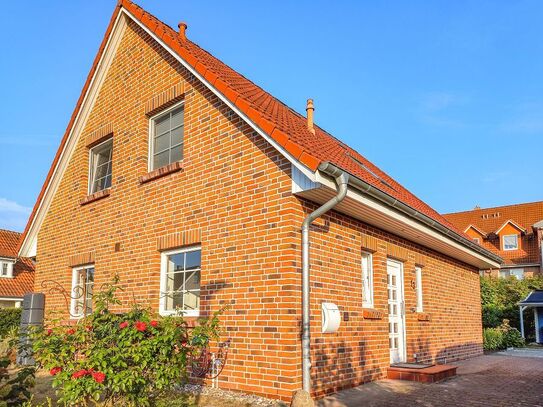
x=521 y=309
x=341 y=181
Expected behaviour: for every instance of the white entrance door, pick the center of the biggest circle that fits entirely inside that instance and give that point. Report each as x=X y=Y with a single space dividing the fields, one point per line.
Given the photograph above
x=396 y=325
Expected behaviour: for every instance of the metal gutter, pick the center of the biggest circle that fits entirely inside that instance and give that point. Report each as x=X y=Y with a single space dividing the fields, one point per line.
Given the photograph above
x=383 y=197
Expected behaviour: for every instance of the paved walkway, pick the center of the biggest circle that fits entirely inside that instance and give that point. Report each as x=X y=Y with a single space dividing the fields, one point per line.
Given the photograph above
x=490 y=380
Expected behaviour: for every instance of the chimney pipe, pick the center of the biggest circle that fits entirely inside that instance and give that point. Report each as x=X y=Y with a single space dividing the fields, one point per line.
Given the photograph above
x=182 y=30
x=310 y=109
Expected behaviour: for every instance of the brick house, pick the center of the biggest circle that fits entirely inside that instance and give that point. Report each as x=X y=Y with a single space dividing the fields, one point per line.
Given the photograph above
x=514 y=232
x=16 y=274
x=192 y=183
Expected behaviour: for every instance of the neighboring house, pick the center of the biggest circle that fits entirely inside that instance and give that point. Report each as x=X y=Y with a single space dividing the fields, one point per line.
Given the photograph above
x=16 y=274
x=514 y=232
x=192 y=183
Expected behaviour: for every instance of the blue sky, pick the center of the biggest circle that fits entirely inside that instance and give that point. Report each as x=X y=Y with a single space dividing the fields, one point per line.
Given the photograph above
x=446 y=97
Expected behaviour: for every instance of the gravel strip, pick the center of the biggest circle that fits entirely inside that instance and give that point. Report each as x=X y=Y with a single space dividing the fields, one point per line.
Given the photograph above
x=234 y=397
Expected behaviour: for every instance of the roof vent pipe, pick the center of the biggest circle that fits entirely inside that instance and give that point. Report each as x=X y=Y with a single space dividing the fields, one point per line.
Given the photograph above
x=182 y=31
x=310 y=108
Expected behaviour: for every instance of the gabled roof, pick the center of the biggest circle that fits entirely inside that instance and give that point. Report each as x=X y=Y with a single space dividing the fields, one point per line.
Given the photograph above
x=284 y=126
x=23 y=270
x=482 y=233
x=534 y=298
x=523 y=216
x=9 y=241
x=510 y=222
x=22 y=281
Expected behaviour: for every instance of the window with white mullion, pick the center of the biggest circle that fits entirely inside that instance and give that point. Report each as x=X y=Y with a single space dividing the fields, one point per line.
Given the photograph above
x=82 y=291
x=167 y=139
x=180 y=286
x=101 y=166
x=6 y=269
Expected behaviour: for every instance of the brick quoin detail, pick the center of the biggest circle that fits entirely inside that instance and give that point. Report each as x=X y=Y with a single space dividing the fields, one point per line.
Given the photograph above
x=234 y=197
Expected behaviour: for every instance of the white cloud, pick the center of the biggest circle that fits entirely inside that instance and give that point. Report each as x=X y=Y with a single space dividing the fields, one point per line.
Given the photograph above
x=13 y=216
x=526 y=118
x=439 y=109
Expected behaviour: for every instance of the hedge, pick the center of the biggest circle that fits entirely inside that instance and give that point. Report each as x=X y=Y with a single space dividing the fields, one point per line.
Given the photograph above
x=9 y=318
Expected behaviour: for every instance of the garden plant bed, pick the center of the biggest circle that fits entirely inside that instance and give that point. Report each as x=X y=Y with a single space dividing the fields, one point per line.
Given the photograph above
x=185 y=396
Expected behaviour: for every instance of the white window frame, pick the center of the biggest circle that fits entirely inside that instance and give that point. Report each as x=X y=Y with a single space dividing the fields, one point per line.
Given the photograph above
x=163 y=281
x=516 y=239
x=418 y=288
x=8 y=264
x=518 y=273
x=151 y=135
x=73 y=301
x=366 y=265
x=91 y=164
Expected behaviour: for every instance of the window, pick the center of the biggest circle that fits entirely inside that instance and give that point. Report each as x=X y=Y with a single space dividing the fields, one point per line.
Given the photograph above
x=180 y=282
x=510 y=242
x=367 y=280
x=6 y=269
x=418 y=282
x=517 y=273
x=166 y=144
x=100 y=166
x=82 y=287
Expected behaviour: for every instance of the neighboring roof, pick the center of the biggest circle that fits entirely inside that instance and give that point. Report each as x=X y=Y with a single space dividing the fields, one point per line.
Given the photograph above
x=521 y=216
x=535 y=297
x=524 y=215
x=9 y=242
x=22 y=281
x=282 y=124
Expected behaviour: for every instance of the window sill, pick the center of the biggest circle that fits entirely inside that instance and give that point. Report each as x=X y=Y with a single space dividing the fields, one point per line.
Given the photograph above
x=161 y=172
x=96 y=196
x=423 y=316
x=372 y=313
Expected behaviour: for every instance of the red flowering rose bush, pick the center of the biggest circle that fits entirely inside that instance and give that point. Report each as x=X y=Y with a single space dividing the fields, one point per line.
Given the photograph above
x=128 y=358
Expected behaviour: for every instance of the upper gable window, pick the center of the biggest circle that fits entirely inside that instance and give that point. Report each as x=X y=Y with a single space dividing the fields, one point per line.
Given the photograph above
x=166 y=141
x=6 y=269
x=100 y=166
x=510 y=242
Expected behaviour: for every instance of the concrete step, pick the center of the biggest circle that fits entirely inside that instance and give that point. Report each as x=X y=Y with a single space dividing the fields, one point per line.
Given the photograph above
x=430 y=374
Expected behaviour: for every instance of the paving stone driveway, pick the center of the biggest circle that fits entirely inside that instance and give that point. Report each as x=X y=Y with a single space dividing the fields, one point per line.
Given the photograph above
x=490 y=380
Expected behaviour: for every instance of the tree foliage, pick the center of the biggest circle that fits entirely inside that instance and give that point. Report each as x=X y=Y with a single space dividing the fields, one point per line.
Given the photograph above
x=500 y=298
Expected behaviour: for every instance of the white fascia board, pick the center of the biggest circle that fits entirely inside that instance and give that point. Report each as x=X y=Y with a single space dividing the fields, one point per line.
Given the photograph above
x=407 y=221
x=28 y=247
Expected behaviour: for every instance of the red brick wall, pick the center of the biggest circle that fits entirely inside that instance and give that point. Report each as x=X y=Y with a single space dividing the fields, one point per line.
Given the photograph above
x=233 y=196
x=449 y=329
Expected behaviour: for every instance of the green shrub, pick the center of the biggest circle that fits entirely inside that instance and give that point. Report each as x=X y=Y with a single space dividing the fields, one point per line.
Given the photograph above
x=500 y=298
x=129 y=358
x=502 y=337
x=10 y=318
x=492 y=338
x=511 y=336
